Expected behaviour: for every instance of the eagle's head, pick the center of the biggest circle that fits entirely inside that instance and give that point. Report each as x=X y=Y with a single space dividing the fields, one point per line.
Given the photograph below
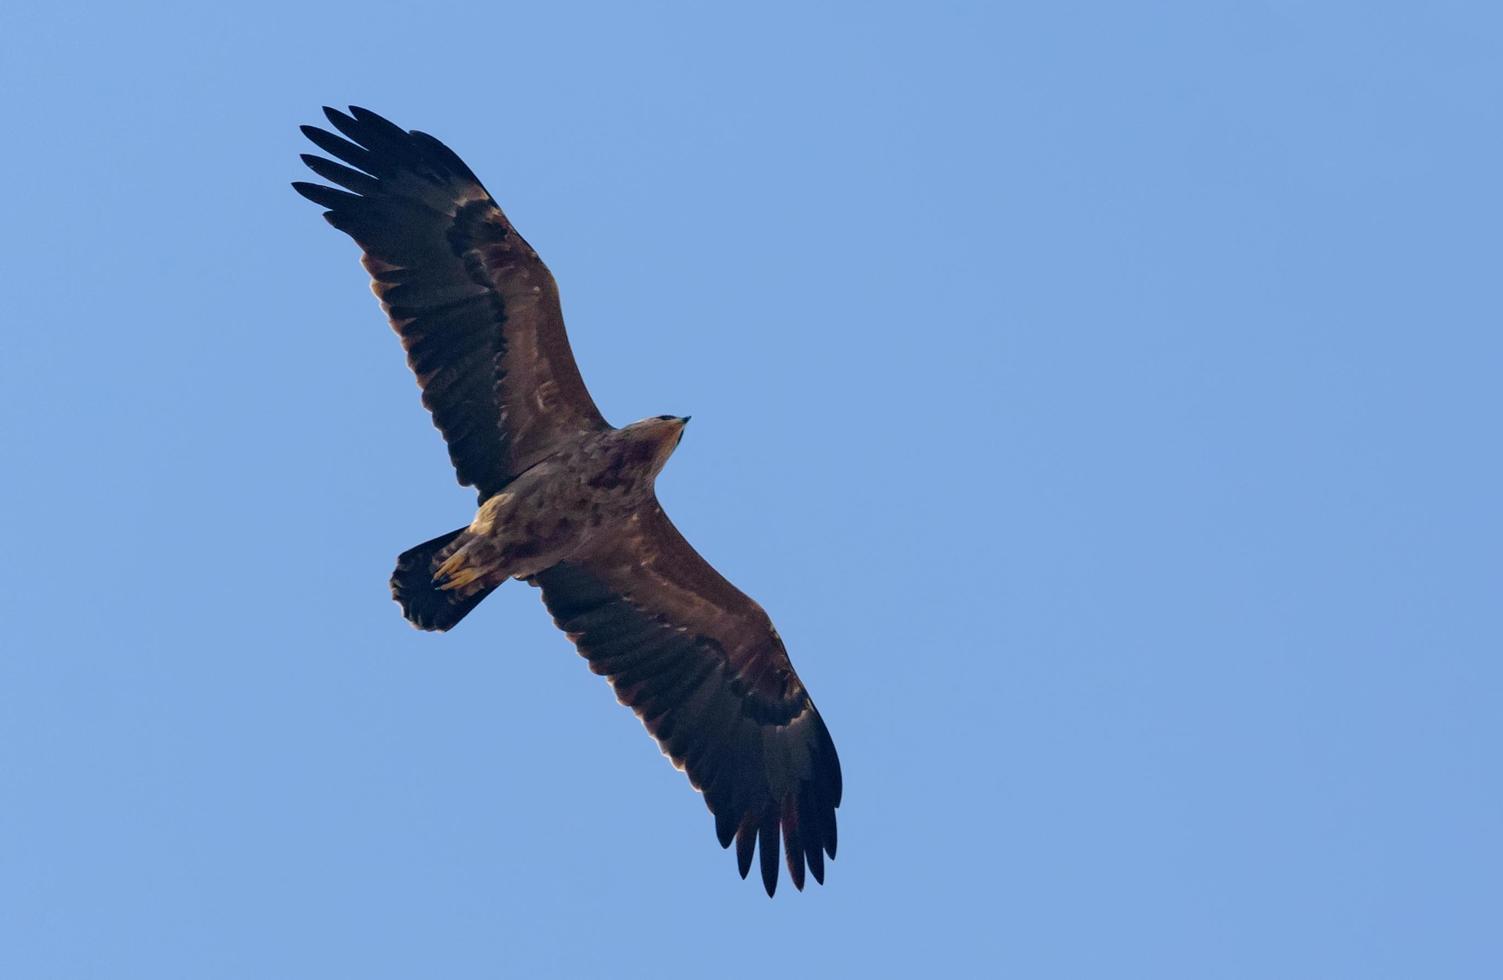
x=658 y=437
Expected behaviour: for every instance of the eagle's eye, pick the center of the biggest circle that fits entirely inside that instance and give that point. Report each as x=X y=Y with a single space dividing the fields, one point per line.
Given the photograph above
x=665 y=418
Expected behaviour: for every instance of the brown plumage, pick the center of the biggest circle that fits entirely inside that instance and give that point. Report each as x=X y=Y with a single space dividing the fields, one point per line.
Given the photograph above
x=567 y=501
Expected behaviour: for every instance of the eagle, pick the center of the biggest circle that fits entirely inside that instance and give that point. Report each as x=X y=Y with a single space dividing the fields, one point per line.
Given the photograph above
x=567 y=501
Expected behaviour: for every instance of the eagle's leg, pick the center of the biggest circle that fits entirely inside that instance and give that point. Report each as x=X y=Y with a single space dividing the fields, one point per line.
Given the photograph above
x=478 y=559
x=455 y=574
x=438 y=582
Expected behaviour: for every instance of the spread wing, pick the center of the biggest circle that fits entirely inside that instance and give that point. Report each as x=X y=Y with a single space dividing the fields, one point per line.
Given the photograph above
x=701 y=665
x=476 y=309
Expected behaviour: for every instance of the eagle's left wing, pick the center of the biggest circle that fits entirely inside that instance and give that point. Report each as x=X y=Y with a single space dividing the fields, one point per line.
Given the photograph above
x=476 y=309
x=701 y=665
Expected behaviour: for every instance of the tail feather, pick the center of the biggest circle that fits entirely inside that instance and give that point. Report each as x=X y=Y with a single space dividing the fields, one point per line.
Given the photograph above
x=425 y=603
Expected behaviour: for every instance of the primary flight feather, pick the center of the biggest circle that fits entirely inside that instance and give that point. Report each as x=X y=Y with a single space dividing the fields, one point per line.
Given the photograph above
x=567 y=501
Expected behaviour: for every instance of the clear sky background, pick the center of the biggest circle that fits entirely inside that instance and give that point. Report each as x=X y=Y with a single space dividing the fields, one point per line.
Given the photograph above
x=1104 y=399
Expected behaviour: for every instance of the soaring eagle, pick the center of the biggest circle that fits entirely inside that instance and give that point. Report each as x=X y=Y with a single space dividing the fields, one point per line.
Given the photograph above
x=567 y=501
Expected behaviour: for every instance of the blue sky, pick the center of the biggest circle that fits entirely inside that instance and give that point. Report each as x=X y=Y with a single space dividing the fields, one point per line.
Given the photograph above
x=1104 y=400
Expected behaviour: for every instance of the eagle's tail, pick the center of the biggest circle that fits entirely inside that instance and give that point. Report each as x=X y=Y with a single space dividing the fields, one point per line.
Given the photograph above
x=426 y=603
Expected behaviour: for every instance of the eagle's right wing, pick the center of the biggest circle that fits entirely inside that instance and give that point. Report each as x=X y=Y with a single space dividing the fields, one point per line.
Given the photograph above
x=702 y=666
x=476 y=309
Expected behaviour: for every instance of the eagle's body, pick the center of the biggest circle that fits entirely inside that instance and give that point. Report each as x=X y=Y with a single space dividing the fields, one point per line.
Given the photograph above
x=567 y=501
x=559 y=507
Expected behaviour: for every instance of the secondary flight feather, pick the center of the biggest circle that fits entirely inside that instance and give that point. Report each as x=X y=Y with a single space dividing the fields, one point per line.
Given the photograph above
x=567 y=501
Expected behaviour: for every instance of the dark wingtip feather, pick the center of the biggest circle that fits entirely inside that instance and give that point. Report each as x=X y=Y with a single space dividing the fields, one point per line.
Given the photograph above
x=767 y=843
x=336 y=117
x=816 y=859
x=793 y=845
x=835 y=777
x=725 y=827
x=746 y=842
x=324 y=196
x=368 y=118
x=356 y=156
x=352 y=180
x=347 y=125
x=810 y=827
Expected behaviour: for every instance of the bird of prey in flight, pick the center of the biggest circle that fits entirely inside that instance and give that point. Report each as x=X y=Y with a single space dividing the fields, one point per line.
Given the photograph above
x=567 y=501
